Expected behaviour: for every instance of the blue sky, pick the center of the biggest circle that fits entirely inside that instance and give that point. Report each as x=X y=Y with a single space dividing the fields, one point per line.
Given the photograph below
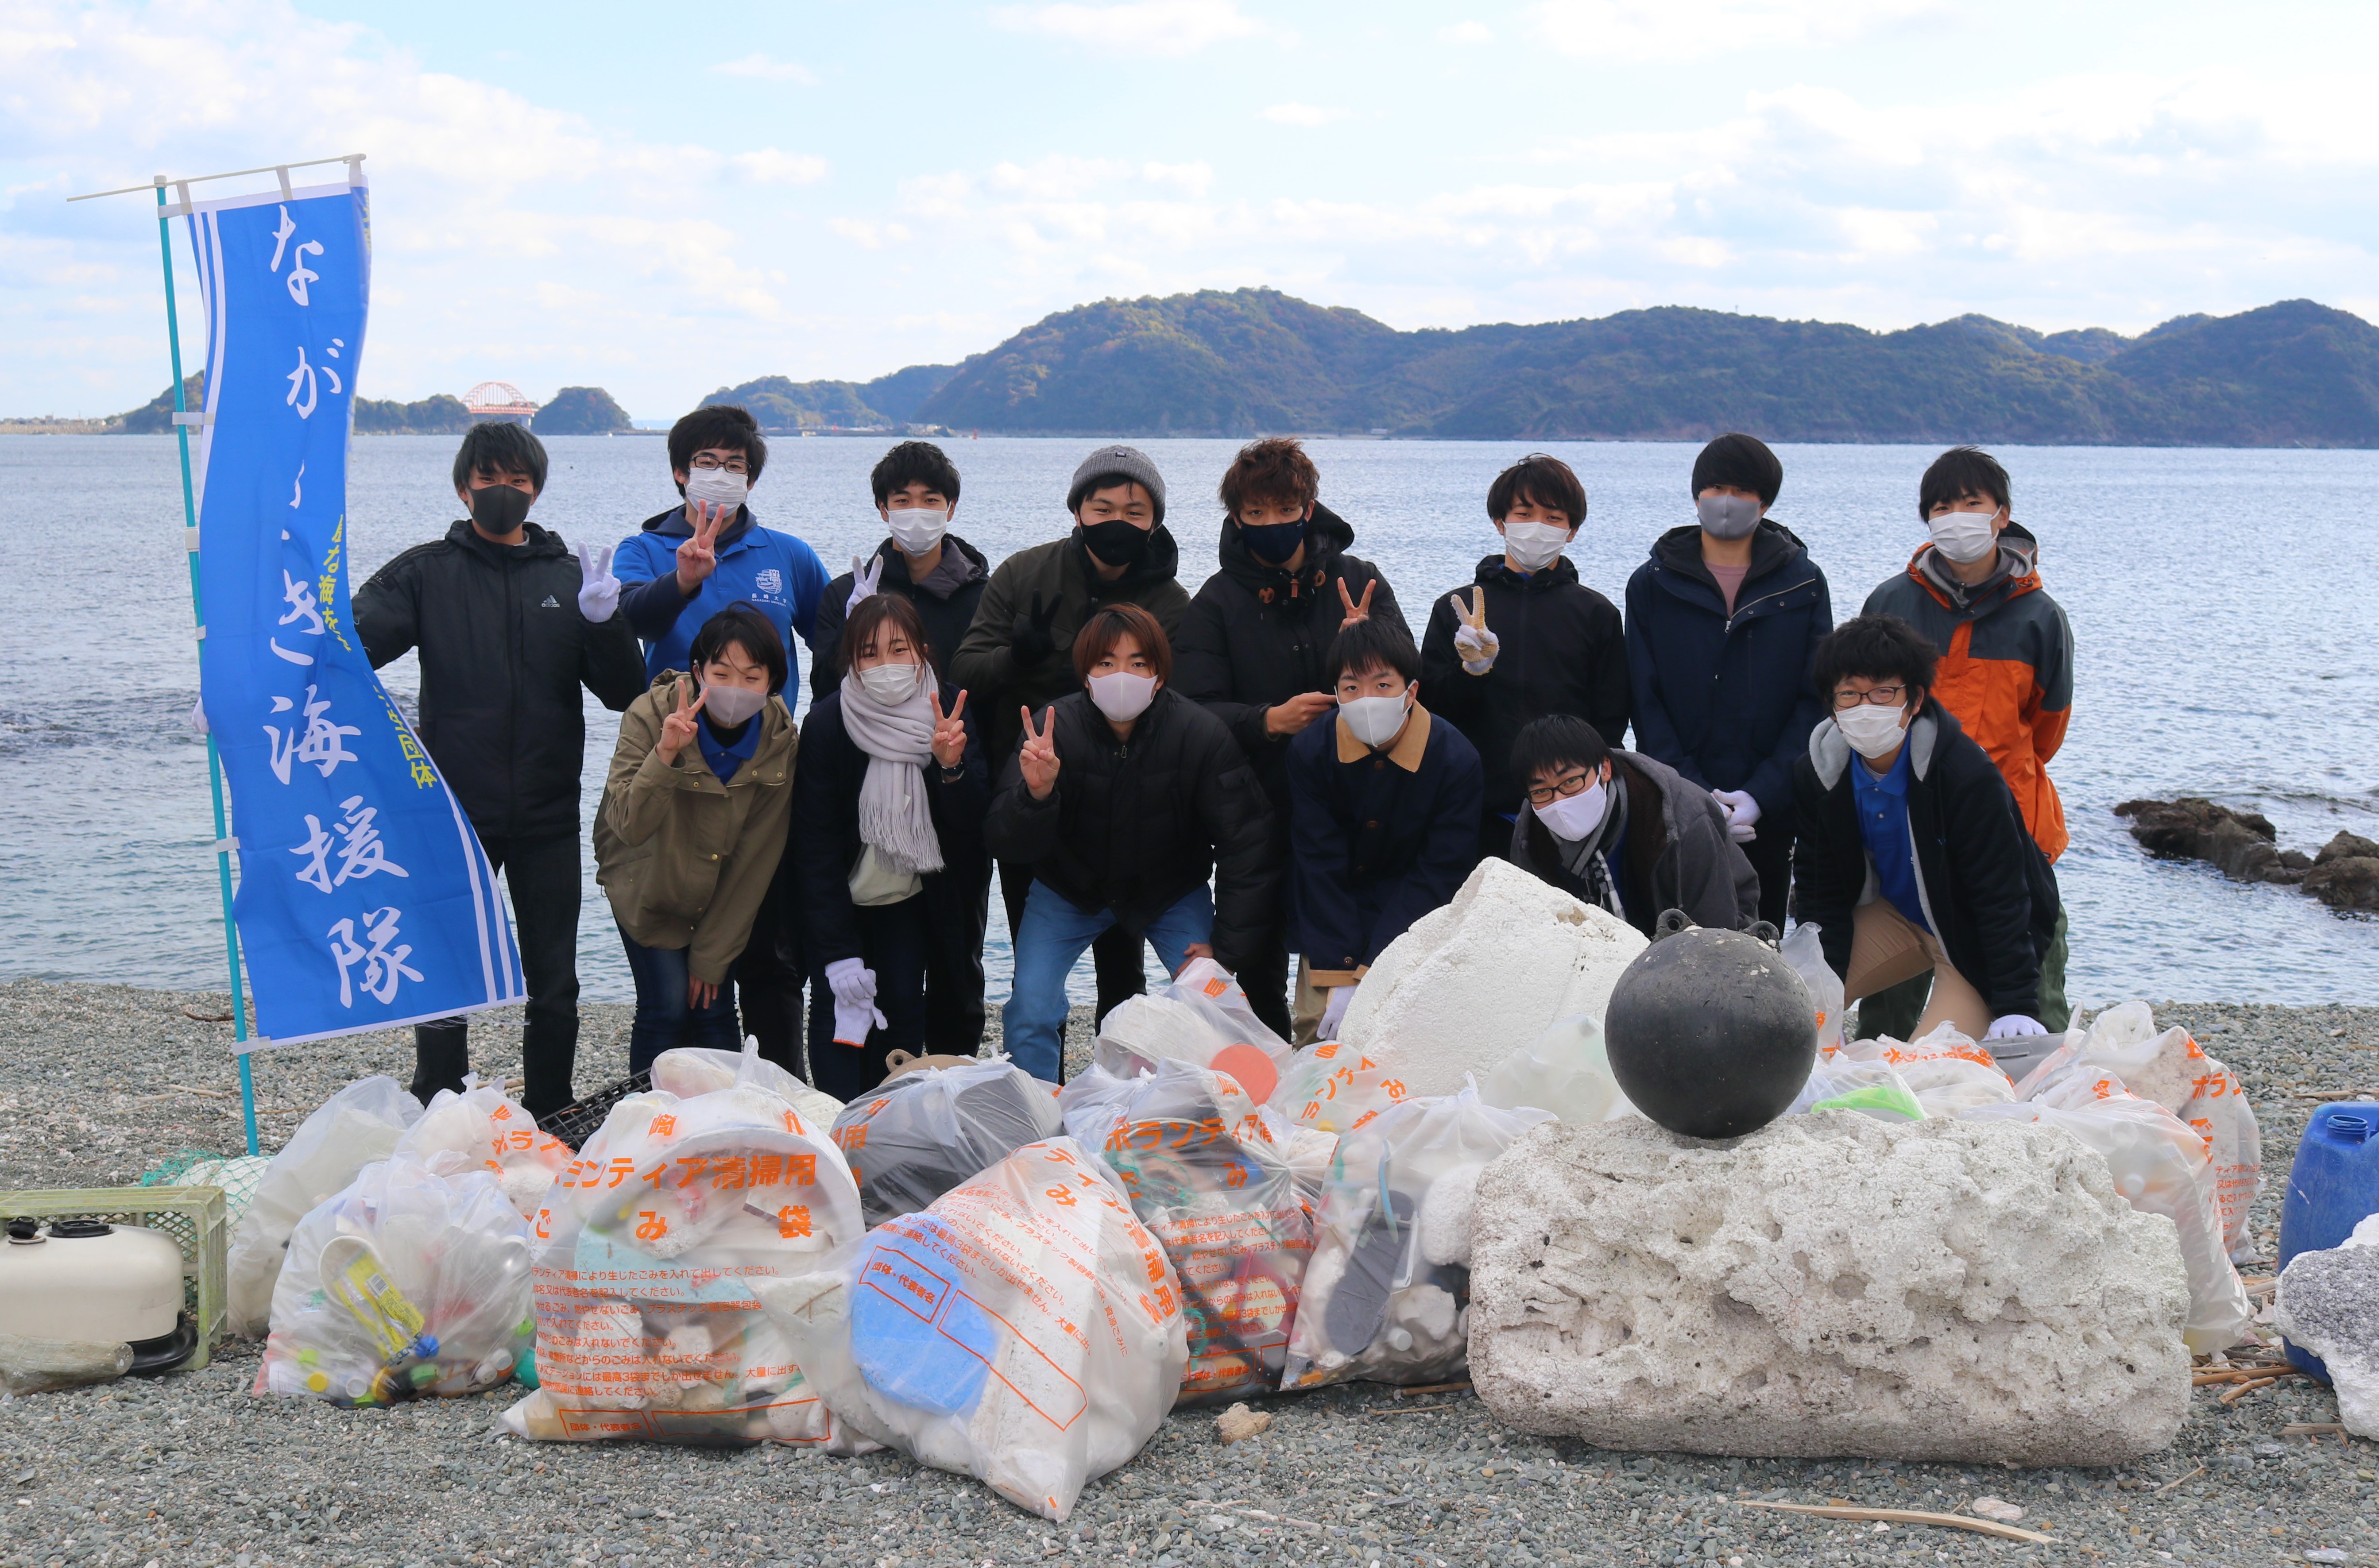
x=661 y=201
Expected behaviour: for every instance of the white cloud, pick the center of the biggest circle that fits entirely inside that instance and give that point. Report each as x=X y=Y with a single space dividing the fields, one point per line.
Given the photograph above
x=768 y=167
x=1466 y=33
x=761 y=67
x=1689 y=30
x=1142 y=26
x=1191 y=179
x=1301 y=114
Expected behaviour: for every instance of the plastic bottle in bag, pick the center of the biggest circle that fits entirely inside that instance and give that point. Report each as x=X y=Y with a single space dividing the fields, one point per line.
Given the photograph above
x=408 y=1282
x=359 y=1124
x=1565 y=1070
x=1203 y=1018
x=915 y=1136
x=1387 y=1295
x=1025 y=1329
x=649 y=1249
x=1807 y=957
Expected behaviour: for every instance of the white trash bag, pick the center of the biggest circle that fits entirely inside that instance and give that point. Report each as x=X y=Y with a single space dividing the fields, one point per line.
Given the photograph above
x=1387 y=1295
x=1565 y=1070
x=1203 y=1018
x=1803 y=950
x=484 y=1128
x=1873 y=1089
x=688 y=1070
x=409 y=1283
x=1025 y=1329
x=360 y=1124
x=1332 y=1087
x=920 y=1133
x=1945 y=1071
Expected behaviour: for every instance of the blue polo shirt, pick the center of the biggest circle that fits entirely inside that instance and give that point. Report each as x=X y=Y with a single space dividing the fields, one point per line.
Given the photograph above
x=1882 y=805
x=725 y=759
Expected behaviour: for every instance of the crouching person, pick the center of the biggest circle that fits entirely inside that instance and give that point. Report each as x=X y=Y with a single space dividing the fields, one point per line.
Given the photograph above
x=1120 y=799
x=1626 y=833
x=1384 y=803
x=691 y=825
x=1912 y=857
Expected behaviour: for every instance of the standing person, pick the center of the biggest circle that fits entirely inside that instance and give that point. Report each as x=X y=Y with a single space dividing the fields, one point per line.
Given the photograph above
x=508 y=629
x=1255 y=645
x=1122 y=799
x=1015 y=653
x=684 y=566
x=941 y=575
x=1973 y=590
x=1912 y=857
x=891 y=871
x=1527 y=638
x=1385 y=803
x=692 y=827
x=1722 y=622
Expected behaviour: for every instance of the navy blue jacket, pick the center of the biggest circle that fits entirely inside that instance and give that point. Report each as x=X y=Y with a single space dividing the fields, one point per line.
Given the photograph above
x=1728 y=701
x=1376 y=840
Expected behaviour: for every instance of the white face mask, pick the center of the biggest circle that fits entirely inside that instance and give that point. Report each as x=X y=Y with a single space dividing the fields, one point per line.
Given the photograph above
x=1122 y=695
x=1575 y=817
x=730 y=705
x=917 y=529
x=1532 y=546
x=1727 y=517
x=716 y=487
x=1964 y=537
x=890 y=685
x=1872 y=731
x=1375 y=720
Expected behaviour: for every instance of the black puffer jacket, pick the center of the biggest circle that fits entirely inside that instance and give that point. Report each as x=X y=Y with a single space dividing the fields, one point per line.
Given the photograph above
x=503 y=652
x=945 y=602
x=1987 y=889
x=1132 y=825
x=1257 y=635
x=1564 y=651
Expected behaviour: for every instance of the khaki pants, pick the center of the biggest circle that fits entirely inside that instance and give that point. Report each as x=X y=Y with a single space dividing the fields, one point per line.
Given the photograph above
x=1886 y=948
x=1305 y=1012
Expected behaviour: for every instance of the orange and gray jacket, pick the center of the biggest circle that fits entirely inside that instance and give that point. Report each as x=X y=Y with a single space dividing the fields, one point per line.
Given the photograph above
x=2007 y=665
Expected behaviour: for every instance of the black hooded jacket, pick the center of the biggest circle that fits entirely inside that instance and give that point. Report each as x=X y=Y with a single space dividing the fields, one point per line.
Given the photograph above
x=1256 y=636
x=1132 y=825
x=1563 y=651
x=946 y=603
x=504 y=651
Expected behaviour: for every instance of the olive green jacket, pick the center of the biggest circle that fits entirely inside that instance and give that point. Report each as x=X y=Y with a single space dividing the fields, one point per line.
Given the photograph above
x=686 y=859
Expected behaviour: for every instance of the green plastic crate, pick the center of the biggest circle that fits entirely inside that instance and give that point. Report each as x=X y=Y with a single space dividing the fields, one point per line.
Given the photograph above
x=193 y=1216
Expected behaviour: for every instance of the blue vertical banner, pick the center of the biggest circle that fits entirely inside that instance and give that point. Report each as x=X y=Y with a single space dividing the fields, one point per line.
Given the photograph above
x=364 y=901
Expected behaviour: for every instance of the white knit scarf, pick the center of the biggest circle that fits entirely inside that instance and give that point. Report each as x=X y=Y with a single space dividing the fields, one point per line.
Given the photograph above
x=899 y=741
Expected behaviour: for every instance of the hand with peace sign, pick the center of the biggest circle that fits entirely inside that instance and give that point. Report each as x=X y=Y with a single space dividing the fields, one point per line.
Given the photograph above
x=677 y=729
x=950 y=729
x=1038 y=760
x=1477 y=644
x=1356 y=610
x=864 y=576
x=698 y=557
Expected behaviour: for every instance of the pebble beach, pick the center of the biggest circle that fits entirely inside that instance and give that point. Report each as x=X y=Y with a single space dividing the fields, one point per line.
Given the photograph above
x=191 y=1469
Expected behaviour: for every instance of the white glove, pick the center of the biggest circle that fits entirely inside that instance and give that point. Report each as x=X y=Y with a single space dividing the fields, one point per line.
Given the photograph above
x=598 y=591
x=855 y=1001
x=1333 y=1011
x=864 y=575
x=1742 y=811
x=1478 y=647
x=2013 y=1026
x=198 y=715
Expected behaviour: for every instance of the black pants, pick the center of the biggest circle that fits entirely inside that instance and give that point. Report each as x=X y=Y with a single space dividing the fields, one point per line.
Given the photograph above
x=925 y=1010
x=1122 y=972
x=767 y=975
x=542 y=874
x=1770 y=853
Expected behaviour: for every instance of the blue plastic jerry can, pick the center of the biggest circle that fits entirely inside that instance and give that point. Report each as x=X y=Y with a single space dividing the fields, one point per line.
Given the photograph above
x=2333 y=1187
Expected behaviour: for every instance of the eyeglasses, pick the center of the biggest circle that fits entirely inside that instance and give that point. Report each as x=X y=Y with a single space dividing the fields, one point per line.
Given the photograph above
x=708 y=464
x=1569 y=784
x=1880 y=696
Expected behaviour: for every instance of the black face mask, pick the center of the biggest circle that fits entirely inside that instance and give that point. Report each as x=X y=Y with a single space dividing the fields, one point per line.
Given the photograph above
x=498 y=509
x=1274 y=542
x=1117 y=542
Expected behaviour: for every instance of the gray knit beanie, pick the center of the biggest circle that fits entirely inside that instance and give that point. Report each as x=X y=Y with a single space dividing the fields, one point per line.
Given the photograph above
x=1113 y=463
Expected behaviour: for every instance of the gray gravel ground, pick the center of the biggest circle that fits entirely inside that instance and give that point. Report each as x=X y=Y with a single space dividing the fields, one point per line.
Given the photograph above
x=190 y=1470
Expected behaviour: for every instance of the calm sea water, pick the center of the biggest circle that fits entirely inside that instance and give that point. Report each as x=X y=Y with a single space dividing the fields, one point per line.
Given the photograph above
x=2221 y=600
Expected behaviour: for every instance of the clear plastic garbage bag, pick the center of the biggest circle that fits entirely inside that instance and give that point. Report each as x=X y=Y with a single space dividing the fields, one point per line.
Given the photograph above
x=915 y=1136
x=408 y=1282
x=1332 y=1087
x=1387 y=1295
x=1839 y=1083
x=648 y=1251
x=1945 y=1071
x=1025 y=1329
x=689 y=1070
x=1203 y=1018
x=1803 y=951
x=360 y=1124
x=1564 y=1070
x=483 y=1129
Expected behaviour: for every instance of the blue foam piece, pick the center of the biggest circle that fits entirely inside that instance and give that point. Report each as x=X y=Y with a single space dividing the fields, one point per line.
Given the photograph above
x=918 y=1342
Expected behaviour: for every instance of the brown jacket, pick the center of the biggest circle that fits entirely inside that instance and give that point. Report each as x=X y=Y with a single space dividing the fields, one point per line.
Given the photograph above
x=686 y=859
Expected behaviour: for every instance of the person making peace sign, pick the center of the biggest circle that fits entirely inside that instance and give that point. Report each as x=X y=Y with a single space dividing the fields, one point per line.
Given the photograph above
x=889 y=868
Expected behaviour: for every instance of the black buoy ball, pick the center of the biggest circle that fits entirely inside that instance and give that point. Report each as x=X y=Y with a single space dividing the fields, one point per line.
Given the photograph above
x=1710 y=1033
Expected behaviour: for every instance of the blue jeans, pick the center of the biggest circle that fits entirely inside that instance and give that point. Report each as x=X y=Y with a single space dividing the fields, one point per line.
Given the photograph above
x=1054 y=933
x=663 y=1021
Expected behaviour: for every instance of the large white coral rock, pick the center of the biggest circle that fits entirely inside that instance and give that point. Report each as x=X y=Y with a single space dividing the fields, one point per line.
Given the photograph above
x=2328 y=1303
x=1831 y=1285
x=1467 y=984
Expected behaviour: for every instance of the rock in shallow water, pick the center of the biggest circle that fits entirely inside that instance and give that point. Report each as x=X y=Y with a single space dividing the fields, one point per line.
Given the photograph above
x=1831 y=1285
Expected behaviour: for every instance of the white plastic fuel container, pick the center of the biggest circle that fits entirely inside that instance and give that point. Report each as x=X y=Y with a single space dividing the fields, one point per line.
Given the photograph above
x=89 y=1281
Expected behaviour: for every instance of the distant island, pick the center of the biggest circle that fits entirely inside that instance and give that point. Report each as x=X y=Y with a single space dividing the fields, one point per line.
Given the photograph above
x=1257 y=361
